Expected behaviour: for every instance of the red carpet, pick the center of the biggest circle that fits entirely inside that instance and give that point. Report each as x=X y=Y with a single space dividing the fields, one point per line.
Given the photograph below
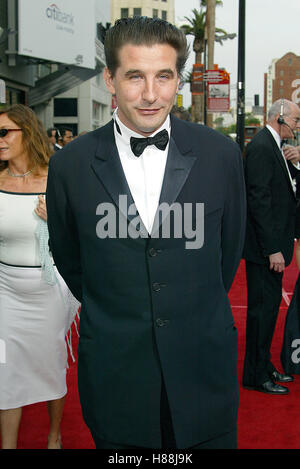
x=265 y=422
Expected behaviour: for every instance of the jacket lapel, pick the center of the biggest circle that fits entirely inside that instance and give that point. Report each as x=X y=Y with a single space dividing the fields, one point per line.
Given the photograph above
x=178 y=167
x=280 y=157
x=108 y=169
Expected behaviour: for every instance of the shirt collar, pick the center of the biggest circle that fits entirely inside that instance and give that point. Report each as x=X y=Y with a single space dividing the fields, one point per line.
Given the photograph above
x=275 y=134
x=127 y=133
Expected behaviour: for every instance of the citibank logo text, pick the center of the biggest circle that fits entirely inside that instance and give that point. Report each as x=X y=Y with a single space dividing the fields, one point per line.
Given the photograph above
x=54 y=13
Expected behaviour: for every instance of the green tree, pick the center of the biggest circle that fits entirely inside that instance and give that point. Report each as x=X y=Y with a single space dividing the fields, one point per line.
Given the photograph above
x=203 y=3
x=196 y=27
x=251 y=120
x=219 y=121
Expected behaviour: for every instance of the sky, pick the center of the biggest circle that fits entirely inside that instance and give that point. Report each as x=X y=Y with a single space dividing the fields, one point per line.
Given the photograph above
x=271 y=31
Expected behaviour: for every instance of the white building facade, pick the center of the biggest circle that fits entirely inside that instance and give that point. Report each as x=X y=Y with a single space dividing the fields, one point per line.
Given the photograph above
x=153 y=8
x=87 y=106
x=269 y=85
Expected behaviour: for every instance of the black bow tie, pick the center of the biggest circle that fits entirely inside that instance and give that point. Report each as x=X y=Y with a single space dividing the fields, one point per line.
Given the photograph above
x=160 y=140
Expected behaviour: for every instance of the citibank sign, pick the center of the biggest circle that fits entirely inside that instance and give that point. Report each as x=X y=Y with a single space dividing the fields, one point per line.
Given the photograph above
x=54 y=13
x=70 y=25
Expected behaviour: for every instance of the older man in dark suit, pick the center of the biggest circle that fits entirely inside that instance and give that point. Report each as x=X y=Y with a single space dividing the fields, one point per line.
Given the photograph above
x=269 y=241
x=146 y=221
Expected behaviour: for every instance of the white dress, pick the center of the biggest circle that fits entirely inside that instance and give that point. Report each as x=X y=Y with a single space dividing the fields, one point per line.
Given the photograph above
x=34 y=315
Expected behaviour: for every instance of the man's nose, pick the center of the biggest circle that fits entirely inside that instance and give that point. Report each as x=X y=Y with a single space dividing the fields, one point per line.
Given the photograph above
x=150 y=91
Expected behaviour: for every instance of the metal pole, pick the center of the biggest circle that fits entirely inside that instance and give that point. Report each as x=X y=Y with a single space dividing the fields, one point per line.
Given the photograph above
x=240 y=123
x=210 y=24
x=204 y=84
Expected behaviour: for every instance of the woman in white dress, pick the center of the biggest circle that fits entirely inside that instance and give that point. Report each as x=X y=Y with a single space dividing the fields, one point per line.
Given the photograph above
x=34 y=315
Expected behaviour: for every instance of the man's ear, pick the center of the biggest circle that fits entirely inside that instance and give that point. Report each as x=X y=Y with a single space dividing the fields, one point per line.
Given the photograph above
x=109 y=81
x=178 y=83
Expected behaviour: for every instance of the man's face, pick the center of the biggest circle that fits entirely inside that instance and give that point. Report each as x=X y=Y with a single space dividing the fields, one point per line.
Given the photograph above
x=67 y=138
x=145 y=84
x=293 y=121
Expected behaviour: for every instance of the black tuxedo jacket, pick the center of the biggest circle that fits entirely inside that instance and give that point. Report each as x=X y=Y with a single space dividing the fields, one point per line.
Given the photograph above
x=271 y=201
x=151 y=307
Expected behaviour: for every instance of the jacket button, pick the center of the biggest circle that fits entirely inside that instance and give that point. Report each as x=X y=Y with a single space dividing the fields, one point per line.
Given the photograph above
x=161 y=322
x=156 y=286
x=152 y=252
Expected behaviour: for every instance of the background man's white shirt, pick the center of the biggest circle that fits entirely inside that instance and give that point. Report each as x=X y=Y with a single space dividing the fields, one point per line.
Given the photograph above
x=277 y=139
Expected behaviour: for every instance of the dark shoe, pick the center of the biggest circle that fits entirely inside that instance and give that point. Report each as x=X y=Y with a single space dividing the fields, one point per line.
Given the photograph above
x=269 y=387
x=281 y=378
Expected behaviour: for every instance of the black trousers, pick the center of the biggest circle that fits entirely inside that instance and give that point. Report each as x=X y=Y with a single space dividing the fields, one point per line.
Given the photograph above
x=264 y=288
x=226 y=441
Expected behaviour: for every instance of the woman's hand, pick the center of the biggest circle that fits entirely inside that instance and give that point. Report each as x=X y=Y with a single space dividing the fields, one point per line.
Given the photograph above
x=41 y=209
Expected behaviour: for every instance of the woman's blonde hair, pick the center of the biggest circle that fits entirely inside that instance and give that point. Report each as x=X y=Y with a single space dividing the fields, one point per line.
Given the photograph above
x=34 y=136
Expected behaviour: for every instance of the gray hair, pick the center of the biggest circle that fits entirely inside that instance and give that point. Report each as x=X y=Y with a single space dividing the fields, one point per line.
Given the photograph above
x=283 y=106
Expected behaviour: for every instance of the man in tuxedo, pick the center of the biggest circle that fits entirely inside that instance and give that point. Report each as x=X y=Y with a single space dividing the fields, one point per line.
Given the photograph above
x=66 y=136
x=269 y=244
x=146 y=220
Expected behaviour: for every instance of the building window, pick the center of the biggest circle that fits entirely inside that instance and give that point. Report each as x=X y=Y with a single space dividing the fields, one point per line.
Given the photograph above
x=124 y=12
x=137 y=12
x=65 y=107
x=98 y=112
x=14 y=96
x=290 y=61
x=297 y=73
x=155 y=13
x=281 y=73
x=281 y=83
x=43 y=70
x=164 y=15
x=281 y=92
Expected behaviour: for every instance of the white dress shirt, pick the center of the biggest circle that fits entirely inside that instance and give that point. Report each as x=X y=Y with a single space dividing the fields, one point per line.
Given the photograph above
x=144 y=174
x=277 y=139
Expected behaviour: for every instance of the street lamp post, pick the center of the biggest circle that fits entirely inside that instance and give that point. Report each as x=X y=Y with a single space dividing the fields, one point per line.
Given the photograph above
x=204 y=84
x=240 y=124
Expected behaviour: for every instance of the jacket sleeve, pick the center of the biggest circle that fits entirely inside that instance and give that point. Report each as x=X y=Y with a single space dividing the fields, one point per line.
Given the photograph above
x=234 y=219
x=63 y=234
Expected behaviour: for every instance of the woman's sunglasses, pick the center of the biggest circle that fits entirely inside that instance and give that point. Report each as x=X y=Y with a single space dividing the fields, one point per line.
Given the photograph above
x=4 y=132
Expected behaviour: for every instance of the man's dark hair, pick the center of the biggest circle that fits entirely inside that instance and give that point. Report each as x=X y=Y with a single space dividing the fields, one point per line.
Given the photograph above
x=141 y=30
x=63 y=131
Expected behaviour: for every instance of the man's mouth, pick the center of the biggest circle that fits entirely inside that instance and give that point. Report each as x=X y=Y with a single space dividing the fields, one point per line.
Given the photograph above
x=148 y=112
